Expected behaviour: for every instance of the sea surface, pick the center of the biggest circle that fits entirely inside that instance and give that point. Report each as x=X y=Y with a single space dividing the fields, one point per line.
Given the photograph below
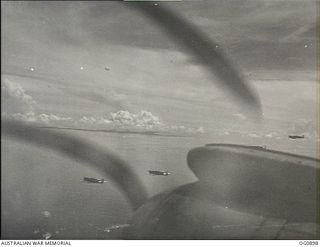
x=43 y=195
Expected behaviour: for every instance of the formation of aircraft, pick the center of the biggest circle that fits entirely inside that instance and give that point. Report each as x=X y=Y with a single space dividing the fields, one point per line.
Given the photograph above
x=102 y=180
x=242 y=192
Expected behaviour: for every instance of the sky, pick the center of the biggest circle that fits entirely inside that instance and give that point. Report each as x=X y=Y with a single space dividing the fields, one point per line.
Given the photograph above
x=104 y=65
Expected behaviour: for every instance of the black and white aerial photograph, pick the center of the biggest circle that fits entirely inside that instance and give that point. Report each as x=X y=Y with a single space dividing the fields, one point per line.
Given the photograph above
x=160 y=120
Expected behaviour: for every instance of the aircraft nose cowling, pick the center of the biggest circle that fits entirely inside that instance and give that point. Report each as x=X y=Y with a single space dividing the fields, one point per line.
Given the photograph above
x=243 y=193
x=184 y=213
x=181 y=215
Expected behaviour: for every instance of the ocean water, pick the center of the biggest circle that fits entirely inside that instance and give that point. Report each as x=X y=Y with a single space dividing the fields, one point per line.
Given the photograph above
x=43 y=196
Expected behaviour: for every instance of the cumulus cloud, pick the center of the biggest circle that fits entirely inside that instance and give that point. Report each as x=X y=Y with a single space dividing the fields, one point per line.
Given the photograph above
x=140 y=121
x=20 y=106
x=123 y=120
x=147 y=121
x=52 y=118
x=143 y=119
x=42 y=119
x=15 y=99
x=87 y=120
x=184 y=130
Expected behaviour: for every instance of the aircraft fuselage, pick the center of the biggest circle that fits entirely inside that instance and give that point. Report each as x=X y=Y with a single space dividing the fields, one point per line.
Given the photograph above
x=159 y=173
x=94 y=180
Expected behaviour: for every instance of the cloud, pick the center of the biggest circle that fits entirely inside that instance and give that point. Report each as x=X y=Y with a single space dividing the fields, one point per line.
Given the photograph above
x=20 y=106
x=42 y=119
x=184 y=130
x=87 y=120
x=146 y=120
x=143 y=119
x=25 y=117
x=51 y=117
x=124 y=120
x=15 y=99
x=140 y=121
x=120 y=120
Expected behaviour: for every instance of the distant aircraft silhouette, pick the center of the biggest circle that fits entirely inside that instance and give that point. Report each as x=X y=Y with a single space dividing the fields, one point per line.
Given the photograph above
x=296 y=136
x=94 y=180
x=159 y=173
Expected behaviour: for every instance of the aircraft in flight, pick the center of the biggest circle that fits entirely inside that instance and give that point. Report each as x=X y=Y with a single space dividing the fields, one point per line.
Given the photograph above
x=296 y=136
x=159 y=173
x=94 y=180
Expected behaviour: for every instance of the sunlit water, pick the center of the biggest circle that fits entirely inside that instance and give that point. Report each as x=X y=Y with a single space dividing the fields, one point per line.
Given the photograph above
x=43 y=195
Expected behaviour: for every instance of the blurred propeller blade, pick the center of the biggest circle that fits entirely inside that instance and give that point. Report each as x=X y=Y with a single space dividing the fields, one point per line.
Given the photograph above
x=206 y=51
x=80 y=150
